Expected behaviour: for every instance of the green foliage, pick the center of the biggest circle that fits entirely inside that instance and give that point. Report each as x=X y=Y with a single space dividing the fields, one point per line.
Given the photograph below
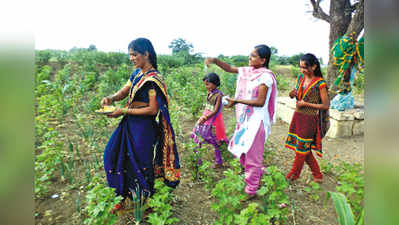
x=207 y=174
x=44 y=74
x=47 y=161
x=359 y=83
x=326 y=166
x=92 y=48
x=229 y=192
x=180 y=45
x=252 y=216
x=226 y=155
x=313 y=191
x=343 y=209
x=194 y=159
x=186 y=87
x=238 y=60
x=273 y=195
x=283 y=83
x=100 y=200
x=181 y=50
x=295 y=71
x=287 y=60
x=351 y=184
x=169 y=61
x=161 y=203
x=139 y=197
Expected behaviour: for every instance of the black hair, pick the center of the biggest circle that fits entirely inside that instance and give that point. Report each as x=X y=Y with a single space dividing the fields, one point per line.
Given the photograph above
x=311 y=60
x=213 y=78
x=143 y=45
x=264 y=52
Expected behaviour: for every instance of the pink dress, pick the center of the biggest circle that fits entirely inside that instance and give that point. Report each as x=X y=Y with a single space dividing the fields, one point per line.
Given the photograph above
x=204 y=130
x=253 y=123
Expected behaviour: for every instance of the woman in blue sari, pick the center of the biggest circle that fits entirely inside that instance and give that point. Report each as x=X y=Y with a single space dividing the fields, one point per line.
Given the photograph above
x=142 y=147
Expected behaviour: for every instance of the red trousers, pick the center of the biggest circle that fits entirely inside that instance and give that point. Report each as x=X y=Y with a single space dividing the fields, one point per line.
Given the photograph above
x=297 y=166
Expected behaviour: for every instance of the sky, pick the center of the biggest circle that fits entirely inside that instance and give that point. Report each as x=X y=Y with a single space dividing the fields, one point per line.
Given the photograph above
x=213 y=26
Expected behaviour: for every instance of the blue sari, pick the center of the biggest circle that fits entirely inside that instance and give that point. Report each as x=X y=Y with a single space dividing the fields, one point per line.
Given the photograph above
x=130 y=161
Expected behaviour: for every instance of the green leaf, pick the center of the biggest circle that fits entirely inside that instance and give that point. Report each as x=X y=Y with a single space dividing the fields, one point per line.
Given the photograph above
x=344 y=212
x=360 y=220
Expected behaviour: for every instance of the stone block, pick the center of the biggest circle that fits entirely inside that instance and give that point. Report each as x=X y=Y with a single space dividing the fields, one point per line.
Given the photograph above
x=287 y=101
x=358 y=127
x=342 y=124
x=284 y=113
x=344 y=115
x=359 y=115
x=339 y=128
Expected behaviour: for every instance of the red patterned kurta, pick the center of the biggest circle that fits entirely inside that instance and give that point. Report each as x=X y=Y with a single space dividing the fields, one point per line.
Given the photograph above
x=304 y=133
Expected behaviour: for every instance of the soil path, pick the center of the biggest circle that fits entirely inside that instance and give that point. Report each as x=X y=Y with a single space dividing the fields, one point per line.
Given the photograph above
x=194 y=200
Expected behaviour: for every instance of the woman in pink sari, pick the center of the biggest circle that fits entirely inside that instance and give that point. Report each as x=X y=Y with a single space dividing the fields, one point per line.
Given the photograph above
x=255 y=100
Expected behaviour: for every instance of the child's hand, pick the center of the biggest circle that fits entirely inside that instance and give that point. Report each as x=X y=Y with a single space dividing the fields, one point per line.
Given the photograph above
x=202 y=119
x=300 y=103
x=293 y=93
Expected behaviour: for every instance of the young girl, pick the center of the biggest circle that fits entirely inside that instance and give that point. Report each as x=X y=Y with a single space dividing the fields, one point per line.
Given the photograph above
x=306 y=130
x=255 y=99
x=212 y=116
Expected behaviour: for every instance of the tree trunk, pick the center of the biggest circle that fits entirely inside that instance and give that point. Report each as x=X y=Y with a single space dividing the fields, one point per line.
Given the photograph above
x=341 y=23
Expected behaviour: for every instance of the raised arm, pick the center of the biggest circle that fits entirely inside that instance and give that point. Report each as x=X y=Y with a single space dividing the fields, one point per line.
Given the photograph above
x=226 y=67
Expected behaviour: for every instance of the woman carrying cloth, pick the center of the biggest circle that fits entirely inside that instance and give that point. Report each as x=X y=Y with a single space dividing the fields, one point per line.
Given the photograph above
x=129 y=160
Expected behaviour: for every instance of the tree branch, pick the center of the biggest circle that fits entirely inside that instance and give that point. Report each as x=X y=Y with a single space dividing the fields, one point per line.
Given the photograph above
x=357 y=23
x=318 y=11
x=354 y=6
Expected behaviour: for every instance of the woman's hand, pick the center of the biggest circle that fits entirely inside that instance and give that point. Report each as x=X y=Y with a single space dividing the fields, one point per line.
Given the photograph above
x=301 y=103
x=293 y=93
x=231 y=103
x=209 y=60
x=106 y=101
x=117 y=113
